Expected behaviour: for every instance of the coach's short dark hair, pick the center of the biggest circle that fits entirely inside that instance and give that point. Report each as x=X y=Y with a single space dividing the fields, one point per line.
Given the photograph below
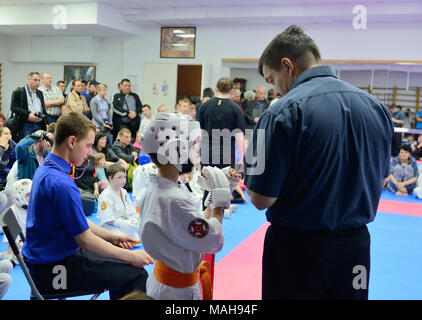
x=292 y=43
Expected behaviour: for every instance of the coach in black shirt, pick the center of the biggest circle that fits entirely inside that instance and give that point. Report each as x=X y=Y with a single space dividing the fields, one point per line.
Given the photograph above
x=223 y=126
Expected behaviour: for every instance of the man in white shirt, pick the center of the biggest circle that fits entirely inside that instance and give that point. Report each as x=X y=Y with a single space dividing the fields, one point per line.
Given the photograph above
x=146 y=118
x=53 y=98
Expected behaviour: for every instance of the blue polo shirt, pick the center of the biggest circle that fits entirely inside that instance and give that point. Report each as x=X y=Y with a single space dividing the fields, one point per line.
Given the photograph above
x=55 y=214
x=325 y=154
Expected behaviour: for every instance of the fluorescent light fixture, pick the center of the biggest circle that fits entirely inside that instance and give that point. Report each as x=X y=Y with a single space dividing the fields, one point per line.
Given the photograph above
x=178 y=31
x=186 y=35
x=179 y=44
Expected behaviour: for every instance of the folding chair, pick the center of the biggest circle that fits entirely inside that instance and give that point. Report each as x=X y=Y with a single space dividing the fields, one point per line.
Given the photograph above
x=12 y=230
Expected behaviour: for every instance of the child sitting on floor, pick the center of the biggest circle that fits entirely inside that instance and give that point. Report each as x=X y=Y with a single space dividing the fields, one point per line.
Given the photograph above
x=116 y=210
x=100 y=163
x=20 y=192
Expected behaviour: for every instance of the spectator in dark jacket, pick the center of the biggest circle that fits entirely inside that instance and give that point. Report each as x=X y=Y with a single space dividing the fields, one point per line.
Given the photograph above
x=255 y=108
x=127 y=109
x=123 y=148
x=28 y=106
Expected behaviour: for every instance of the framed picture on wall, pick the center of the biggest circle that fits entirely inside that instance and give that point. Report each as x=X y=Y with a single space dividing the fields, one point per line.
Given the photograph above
x=177 y=42
x=78 y=72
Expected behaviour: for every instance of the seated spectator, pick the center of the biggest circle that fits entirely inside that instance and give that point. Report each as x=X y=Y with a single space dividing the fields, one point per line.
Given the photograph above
x=403 y=173
x=417 y=148
x=75 y=101
x=21 y=190
x=137 y=143
x=123 y=148
x=418 y=190
x=116 y=210
x=192 y=111
x=86 y=179
x=162 y=108
x=100 y=163
x=31 y=152
x=102 y=113
x=5 y=279
x=100 y=145
x=7 y=155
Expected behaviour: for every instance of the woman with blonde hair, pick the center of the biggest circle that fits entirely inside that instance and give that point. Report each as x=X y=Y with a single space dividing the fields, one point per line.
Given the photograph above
x=101 y=111
x=75 y=101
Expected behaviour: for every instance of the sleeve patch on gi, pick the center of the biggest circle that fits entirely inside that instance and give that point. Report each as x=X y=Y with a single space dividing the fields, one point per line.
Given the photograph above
x=103 y=205
x=198 y=228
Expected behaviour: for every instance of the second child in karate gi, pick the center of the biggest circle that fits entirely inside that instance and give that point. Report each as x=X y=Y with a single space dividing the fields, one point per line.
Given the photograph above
x=115 y=208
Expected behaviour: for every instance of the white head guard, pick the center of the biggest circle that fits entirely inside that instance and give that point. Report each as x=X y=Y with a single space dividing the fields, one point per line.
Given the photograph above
x=21 y=189
x=171 y=136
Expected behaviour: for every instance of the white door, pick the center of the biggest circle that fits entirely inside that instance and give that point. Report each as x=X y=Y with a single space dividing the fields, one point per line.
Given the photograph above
x=160 y=85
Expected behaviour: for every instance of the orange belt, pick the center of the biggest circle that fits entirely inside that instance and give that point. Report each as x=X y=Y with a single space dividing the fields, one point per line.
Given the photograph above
x=176 y=279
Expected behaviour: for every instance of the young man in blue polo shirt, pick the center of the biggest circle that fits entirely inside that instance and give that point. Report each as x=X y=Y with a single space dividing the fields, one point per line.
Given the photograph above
x=58 y=233
x=327 y=151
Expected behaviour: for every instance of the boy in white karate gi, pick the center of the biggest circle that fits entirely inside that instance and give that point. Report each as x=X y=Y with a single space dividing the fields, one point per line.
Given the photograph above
x=115 y=208
x=19 y=192
x=173 y=230
x=141 y=180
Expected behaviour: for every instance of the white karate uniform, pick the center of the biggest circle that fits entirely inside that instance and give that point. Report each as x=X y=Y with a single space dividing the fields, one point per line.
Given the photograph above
x=196 y=191
x=418 y=190
x=168 y=234
x=141 y=180
x=117 y=215
x=20 y=215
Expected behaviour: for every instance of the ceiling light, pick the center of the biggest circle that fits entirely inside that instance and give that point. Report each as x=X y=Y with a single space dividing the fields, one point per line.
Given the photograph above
x=186 y=35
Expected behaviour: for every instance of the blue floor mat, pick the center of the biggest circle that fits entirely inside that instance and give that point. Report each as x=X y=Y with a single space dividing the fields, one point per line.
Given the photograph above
x=396 y=254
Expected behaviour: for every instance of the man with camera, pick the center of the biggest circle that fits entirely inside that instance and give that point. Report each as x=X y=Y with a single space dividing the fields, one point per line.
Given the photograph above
x=31 y=152
x=29 y=108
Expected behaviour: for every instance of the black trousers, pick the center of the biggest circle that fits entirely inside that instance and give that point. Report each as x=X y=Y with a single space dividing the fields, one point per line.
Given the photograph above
x=396 y=144
x=305 y=265
x=86 y=271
